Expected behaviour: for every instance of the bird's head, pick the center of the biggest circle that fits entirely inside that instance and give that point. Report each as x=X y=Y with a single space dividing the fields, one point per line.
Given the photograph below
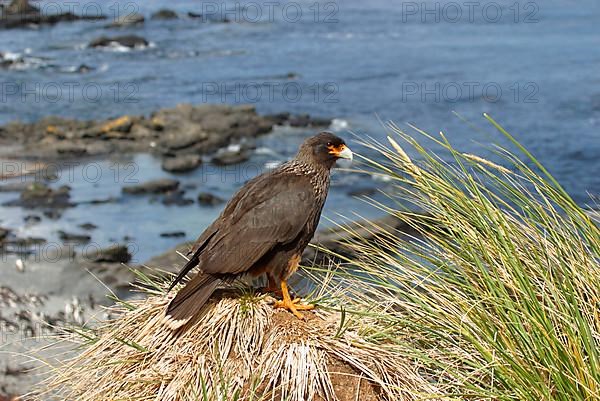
x=324 y=149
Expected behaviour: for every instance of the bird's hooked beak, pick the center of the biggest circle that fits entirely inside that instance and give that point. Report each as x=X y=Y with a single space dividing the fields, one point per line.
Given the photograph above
x=341 y=152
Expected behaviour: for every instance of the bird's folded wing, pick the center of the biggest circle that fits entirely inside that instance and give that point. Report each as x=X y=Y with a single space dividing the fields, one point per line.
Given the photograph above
x=270 y=212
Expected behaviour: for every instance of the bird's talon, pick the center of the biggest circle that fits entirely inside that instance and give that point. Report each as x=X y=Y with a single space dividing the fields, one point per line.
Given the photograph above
x=294 y=306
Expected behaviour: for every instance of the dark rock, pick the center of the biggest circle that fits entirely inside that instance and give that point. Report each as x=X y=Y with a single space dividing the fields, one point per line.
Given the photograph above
x=181 y=164
x=83 y=69
x=131 y=41
x=88 y=226
x=71 y=149
x=152 y=187
x=233 y=154
x=99 y=201
x=32 y=219
x=186 y=136
x=39 y=195
x=112 y=254
x=363 y=191
x=26 y=242
x=173 y=234
x=21 y=7
x=74 y=238
x=23 y=62
x=279 y=118
x=208 y=17
x=208 y=199
x=298 y=120
x=182 y=130
x=305 y=121
x=4 y=232
x=127 y=20
x=165 y=14
x=53 y=214
x=176 y=198
x=20 y=14
x=336 y=239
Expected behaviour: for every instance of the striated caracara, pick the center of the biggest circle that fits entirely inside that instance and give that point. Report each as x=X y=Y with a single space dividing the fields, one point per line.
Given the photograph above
x=263 y=229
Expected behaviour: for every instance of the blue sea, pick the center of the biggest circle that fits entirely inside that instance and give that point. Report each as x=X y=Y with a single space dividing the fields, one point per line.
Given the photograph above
x=532 y=65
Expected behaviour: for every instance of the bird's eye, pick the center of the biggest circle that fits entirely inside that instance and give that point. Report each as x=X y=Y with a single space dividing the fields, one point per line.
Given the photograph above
x=328 y=143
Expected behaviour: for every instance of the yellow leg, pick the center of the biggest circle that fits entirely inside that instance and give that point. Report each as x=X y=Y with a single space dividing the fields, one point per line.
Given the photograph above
x=290 y=305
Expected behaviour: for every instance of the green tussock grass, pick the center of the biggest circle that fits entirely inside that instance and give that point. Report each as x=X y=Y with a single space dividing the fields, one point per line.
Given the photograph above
x=498 y=296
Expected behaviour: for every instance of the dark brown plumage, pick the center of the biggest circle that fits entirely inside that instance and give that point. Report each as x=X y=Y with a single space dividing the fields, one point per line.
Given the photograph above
x=263 y=229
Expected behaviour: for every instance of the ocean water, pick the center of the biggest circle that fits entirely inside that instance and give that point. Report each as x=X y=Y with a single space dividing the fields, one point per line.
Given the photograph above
x=532 y=65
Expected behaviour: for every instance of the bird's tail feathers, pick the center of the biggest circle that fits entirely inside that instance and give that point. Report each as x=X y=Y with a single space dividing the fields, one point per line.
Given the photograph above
x=190 y=300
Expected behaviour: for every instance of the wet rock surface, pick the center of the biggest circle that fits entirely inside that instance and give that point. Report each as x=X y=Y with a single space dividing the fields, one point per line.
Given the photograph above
x=208 y=199
x=164 y=14
x=74 y=237
x=172 y=234
x=88 y=226
x=299 y=120
x=181 y=164
x=176 y=198
x=159 y=186
x=40 y=195
x=20 y=14
x=127 y=20
x=112 y=254
x=167 y=133
x=233 y=154
x=131 y=41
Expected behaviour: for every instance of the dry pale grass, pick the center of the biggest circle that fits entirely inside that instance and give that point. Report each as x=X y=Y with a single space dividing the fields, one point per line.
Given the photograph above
x=241 y=348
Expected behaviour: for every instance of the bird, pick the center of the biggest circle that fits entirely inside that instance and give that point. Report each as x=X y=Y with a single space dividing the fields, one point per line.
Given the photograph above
x=263 y=229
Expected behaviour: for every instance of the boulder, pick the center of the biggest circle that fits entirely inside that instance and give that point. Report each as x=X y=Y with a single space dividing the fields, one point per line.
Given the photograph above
x=112 y=254
x=208 y=199
x=181 y=164
x=21 y=7
x=20 y=14
x=159 y=186
x=233 y=154
x=39 y=195
x=176 y=198
x=164 y=14
x=74 y=238
x=131 y=41
x=127 y=20
x=4 y=232
x=88 y=226
x=172 y=234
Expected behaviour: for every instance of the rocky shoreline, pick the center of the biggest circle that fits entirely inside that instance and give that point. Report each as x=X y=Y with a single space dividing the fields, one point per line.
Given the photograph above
x=168 y=133
x=20 y=13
